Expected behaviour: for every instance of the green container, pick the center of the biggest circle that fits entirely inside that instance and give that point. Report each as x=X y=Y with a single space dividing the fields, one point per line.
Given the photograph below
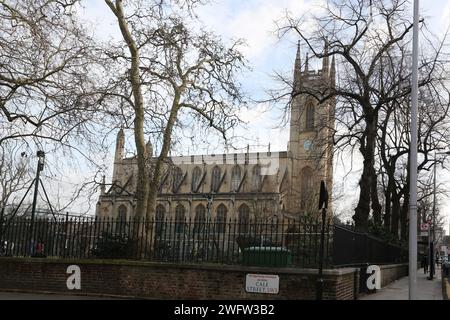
x=266 y=256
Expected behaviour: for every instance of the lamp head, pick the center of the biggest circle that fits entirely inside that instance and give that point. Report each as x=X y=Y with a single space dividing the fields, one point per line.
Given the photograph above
x=41 y=156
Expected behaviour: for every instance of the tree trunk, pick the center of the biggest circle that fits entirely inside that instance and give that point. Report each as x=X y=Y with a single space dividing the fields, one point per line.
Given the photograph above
x=362 y=210
x=395 y=213
x=167 y=139
x=390 y=190
x=404 y=218
x=388 y=206
x=376 y=206
x=142 y=161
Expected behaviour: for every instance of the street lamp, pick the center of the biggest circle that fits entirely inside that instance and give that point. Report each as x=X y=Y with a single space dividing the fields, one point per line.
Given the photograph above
x=41 y=157
x=413 y=159
x=433 y=218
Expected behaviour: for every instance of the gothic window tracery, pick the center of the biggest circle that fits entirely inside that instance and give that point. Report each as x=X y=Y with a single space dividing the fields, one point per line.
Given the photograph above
x=244 y=218
x=235 y=178
x=306 y=186
x=200 y=218
x=309 y=124
x=179 y=218
x=215 y=179
x=221 y=218
x=196 y=176
x=177 y=177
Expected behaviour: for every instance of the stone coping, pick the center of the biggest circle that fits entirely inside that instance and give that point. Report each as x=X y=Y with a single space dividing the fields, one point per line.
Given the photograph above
x=390 y=266
x=212 y=267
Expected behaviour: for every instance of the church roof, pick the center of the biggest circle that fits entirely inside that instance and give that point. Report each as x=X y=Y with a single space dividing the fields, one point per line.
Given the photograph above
x=228 y=157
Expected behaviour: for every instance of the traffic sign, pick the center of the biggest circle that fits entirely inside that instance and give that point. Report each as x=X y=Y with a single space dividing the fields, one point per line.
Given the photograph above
x=424 y=226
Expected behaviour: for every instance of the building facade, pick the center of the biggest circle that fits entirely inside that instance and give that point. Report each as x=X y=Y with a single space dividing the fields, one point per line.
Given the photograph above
x=242 y=185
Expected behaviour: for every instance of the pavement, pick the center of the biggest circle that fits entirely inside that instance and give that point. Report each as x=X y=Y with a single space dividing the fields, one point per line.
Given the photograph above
x=46 y=296
x=399 y=289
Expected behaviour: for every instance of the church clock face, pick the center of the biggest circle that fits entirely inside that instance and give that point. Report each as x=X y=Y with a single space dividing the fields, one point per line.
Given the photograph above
x=307 y=145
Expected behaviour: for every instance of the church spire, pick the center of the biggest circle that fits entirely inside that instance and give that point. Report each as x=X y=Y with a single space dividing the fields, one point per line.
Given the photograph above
x=325 y=60
x=119 y=155
x=103 y=186
x=333 y=72
x=297 y=68
x=307 y=63
x=120 y=145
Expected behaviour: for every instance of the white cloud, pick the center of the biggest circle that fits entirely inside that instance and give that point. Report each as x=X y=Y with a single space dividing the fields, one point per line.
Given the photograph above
x=254 y=21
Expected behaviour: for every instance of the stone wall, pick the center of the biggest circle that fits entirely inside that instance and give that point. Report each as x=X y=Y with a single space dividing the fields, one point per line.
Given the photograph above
x=170 y=281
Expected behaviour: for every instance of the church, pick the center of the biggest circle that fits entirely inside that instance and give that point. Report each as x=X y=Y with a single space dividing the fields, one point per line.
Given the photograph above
x=249 y=185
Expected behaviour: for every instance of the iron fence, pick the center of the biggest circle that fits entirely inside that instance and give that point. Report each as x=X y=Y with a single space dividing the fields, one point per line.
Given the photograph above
x=296 y=242
x=354 y=248
x=265 y=242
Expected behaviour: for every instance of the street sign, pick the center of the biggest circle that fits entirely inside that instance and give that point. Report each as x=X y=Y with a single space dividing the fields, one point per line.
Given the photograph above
x=262 y=283
x=424 y=226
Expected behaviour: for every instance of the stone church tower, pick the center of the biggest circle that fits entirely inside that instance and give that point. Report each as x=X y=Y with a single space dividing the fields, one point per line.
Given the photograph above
x=310 y=146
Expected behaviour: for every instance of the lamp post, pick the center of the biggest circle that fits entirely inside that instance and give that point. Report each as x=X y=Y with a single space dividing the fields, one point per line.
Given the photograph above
x=413 y=159
x=40 y=167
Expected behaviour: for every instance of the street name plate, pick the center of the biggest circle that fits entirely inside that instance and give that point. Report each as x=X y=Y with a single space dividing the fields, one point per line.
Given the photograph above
x=262 y=283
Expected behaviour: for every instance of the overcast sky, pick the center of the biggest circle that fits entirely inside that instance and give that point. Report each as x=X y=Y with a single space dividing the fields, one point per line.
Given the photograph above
x=253 y=20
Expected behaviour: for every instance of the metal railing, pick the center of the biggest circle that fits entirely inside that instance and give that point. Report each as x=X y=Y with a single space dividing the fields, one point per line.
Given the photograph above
x=354 y=248
x=195 y=241
x=167 y=240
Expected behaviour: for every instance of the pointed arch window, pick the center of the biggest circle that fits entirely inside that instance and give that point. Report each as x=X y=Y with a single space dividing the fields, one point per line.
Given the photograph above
x=309 y=124
x=177 y=178
x=235 y=178
x=159 y=219
x=257 y=178
x=244 y=218
x=122 y=219
x=196 y=176
x=200 y=218
x=306 y=187
x=215 y=179
x=221 y=218
x=179 y=218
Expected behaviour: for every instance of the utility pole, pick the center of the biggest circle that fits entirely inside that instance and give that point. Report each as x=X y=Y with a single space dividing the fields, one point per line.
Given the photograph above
x=413 y=160
x=40 y=167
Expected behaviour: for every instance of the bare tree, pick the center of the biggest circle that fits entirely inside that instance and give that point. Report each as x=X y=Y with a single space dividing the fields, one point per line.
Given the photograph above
x=15 y=175
x=360 y=34
x=44 y=70
x=393 y=148
x=173 y=75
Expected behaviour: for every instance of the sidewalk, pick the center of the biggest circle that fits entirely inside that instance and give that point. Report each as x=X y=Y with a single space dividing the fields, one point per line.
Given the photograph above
x=398 y=290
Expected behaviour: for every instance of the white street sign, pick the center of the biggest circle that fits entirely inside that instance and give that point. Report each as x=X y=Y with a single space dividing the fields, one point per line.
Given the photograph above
x=262 y=283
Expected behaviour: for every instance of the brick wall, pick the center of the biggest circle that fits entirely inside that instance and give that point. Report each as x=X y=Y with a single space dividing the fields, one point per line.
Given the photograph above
x=392 y=272
x=169 y=281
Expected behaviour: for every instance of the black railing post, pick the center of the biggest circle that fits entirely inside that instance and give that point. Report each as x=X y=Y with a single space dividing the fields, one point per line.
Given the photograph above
x=323 y=204
x=2 y=242
x=2 y=214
